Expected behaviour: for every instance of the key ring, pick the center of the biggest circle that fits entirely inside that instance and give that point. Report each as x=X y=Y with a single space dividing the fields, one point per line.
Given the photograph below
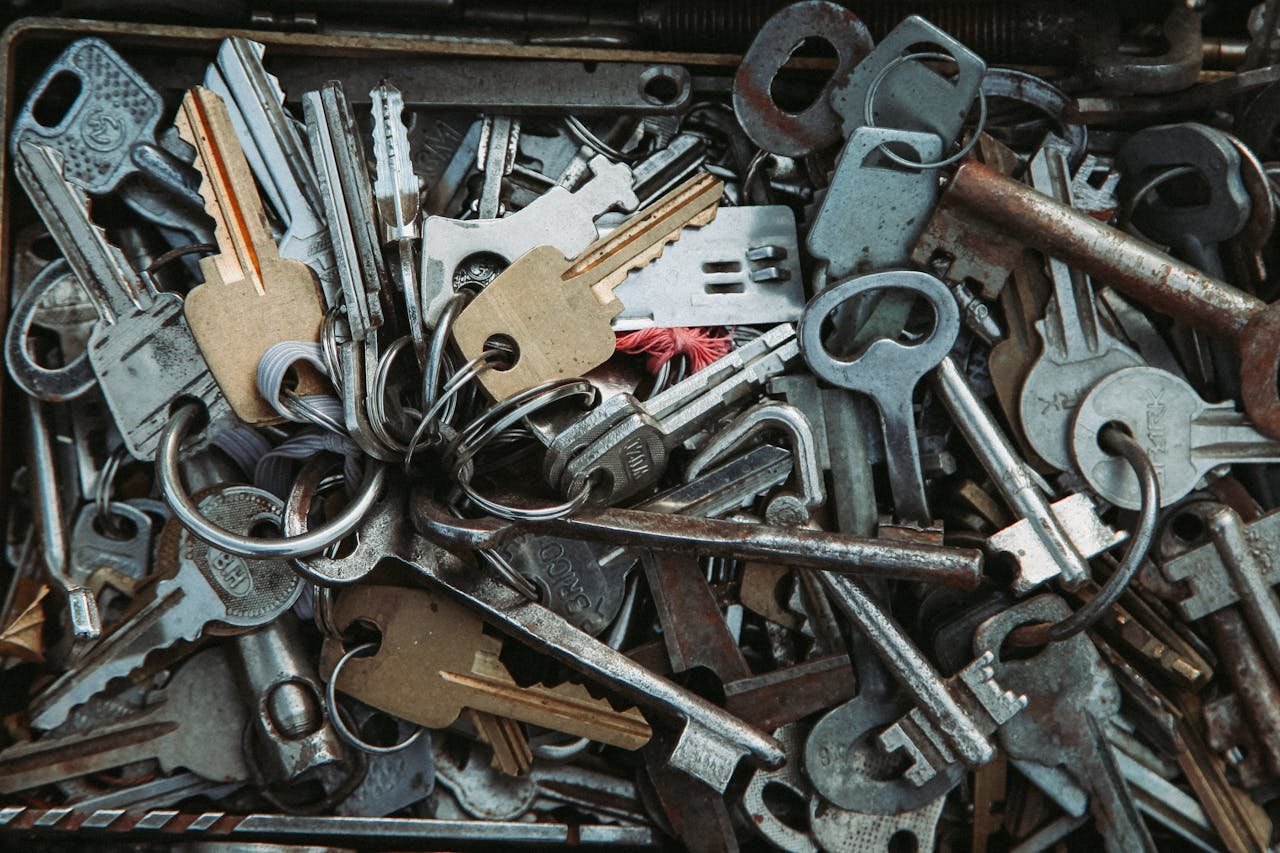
x=432 y=418
x=869 y=117
x=335 y=711
x=169 y=476
x=102 y=487
x=376 y=404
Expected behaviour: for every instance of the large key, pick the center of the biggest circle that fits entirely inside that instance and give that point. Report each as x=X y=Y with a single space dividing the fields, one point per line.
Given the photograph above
x=1185 y=437
x=554 y=312
x=210 y=590
x=197 y=724
x=252 y=298
x=141 y=349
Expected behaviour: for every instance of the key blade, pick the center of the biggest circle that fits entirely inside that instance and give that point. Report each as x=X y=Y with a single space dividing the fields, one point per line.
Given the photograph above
x=395 y=186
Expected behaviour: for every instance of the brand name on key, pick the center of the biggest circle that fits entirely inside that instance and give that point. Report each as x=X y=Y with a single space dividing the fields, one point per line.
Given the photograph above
x=1157 y=433
x=231 y=573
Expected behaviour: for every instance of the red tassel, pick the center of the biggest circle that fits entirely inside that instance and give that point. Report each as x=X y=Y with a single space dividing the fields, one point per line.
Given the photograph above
x=662 y=345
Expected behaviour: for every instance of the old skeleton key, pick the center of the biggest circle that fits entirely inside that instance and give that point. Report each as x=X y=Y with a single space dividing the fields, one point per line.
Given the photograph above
x=252 y=298
x=556 y=311
x=141 y=349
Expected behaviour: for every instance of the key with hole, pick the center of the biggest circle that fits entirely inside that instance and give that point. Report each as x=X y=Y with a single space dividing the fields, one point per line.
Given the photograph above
x=1078 y=349
x=273 y=146
x=53 y=300
x=196 y=723
x=252 y=298
x=1186 y=437
x=120 y=559
x=106 y=137
x=141 y=349
x=556 y=311
x=434 y=660
x=208 y=592
x=887 y=371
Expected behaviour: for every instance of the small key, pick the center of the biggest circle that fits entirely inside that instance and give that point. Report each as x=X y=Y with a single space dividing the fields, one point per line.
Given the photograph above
x=120 y=561
x=141 y=349
x=209 y=591
x=555 y=312
x=1186 y=437
x=270 y=139
x=434 y=660
x=1078 y=349
x=252 y=298
x=197 y=724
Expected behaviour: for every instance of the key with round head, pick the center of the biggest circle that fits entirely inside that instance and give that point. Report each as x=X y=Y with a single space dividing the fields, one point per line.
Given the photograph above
x=251 y=298
x=1186 y=437
x=556 y=311
x=209 y=592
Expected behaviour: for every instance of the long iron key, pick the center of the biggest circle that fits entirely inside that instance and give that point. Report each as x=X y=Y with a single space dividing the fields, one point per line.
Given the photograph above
x=276 y=154
x=209 y=588
x=141 y=348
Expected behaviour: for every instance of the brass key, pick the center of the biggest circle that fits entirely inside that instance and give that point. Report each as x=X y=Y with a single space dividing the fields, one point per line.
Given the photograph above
x=252 y=298
x=556 y=311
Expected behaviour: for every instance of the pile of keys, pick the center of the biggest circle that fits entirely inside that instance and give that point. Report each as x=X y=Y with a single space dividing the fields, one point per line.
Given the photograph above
x=861 y=455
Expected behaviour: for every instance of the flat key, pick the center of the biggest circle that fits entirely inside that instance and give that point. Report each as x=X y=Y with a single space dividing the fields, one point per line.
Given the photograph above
x=141 y=349
x=556 y=311
x=252 y=298
x=1185 y=437
x=211 y=590
x=270 y=139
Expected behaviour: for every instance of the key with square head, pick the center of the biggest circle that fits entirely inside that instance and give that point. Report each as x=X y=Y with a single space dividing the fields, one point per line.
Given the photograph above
x=556 y=311
x=141 y=349
x=1078 y=348
x=1186 y=437
x=209 y=592
x=53 y=299
x=273 y=146
x=196 y=723
x=252 y=298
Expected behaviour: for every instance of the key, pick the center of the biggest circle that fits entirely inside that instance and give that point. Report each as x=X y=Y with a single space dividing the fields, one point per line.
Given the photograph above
x=252 y=298
x=196 y=723
x=887 y=371
x=1077 y=518
x=395 y=190
x=434 y=660
x=1078 y=349
x=53 y=299
x=1186 y=437
x=273 y=146
x=141 y=349
x=693 y=627
x=624 y=444
x=106 y=137
x=496 y=156
x=1074 y=694
x=119 y=561
x=556 y=311
x=209 y=592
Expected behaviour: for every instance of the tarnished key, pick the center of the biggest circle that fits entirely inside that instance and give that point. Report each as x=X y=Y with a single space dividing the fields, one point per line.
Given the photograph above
x=555 y=312
x=141 y=349
x=273 y=146
x=210 y=588
x=252 y=298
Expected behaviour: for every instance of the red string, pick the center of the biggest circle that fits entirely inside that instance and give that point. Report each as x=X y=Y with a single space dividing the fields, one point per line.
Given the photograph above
x=661 y=345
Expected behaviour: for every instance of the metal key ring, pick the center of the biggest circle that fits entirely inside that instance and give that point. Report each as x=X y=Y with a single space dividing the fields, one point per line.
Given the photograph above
x=51 y=385
x=169 y=476
x=335 y=711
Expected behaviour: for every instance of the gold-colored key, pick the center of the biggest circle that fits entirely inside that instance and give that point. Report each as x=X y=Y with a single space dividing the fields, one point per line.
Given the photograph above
x=251 y=298
x=555 y=312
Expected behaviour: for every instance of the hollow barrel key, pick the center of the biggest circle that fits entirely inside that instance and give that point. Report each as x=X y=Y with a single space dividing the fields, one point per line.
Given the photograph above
x=141 y=349
x=252 y=298
x=556 y=311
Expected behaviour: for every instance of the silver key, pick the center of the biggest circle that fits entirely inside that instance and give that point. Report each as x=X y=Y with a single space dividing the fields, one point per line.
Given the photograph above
x=53 y=299
x=1078 y=348
x=120 y=561
x=210 y=587
x=141 y=348
x=495 y=158
x=1186 y=437
x=273 y=146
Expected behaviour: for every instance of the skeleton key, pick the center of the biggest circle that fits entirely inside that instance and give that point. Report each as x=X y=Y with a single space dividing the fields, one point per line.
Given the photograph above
x=141 y=348
x=270 y=140
x=556 y=311
x=396 y=189
x=252 y=298
x=434 y=660
x=1078 y=349
x=209 y=591
x=198 y=724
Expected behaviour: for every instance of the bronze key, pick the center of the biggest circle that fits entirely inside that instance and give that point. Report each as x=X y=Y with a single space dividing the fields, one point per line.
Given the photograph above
x=556 y=311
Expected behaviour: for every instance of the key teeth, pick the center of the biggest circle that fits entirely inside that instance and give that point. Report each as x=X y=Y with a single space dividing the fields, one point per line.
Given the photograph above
x=924 y=747
x=1000 y=704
